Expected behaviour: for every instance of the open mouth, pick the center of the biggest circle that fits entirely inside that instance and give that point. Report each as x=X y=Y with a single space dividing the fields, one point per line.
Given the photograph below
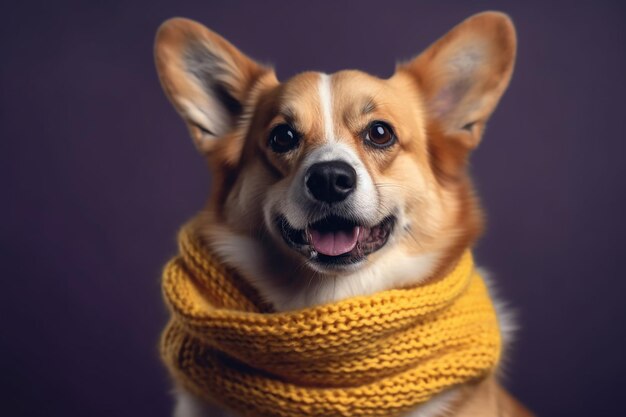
x=335 y=240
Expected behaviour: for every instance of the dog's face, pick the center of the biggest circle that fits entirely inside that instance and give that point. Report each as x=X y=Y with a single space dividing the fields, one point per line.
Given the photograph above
x=341 y=175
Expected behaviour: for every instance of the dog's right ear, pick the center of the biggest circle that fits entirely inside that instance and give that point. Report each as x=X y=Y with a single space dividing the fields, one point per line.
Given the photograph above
x=209 y=81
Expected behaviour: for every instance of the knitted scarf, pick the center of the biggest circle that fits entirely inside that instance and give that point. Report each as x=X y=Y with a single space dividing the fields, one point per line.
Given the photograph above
x=374 y=356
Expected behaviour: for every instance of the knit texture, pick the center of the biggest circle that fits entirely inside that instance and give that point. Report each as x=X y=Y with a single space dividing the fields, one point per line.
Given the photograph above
x=374 y=356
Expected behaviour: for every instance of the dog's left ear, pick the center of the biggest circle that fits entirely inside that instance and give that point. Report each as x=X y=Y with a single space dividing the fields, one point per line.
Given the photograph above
x=463 y=75
x=209 y=81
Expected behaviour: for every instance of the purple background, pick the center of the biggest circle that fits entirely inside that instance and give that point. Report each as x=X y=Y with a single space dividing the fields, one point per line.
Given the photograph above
x=99 y=172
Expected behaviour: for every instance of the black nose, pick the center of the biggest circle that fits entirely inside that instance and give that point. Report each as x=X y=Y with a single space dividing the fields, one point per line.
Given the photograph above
x=331 y=181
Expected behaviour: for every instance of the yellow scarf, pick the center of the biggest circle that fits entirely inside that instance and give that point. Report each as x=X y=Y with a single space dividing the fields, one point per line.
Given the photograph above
x=374 y=356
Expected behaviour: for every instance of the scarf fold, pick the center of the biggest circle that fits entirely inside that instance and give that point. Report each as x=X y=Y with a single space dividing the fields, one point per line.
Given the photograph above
x=370 y=356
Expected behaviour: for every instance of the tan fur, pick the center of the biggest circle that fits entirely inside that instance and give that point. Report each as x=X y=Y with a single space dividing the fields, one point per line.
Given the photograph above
x=437 y=104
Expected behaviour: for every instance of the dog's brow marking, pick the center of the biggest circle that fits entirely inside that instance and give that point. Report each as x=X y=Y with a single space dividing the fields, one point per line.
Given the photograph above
x=369 y=106
x=326 y=104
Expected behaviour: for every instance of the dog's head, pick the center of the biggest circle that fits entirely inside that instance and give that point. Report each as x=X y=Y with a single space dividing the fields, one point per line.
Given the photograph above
x=346 y=175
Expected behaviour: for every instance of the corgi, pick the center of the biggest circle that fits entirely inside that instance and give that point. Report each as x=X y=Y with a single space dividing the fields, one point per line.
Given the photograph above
x=356 y=184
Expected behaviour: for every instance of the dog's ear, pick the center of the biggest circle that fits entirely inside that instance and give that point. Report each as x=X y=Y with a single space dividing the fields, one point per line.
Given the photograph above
x=463 y=75
x=208 y=80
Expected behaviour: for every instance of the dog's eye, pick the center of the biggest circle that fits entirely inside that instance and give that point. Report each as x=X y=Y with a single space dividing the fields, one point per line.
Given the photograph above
x=283 y=138
x=380 y=135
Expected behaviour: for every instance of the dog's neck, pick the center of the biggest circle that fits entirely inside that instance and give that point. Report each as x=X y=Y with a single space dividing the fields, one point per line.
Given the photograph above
x=256 y=261
x=405 y=314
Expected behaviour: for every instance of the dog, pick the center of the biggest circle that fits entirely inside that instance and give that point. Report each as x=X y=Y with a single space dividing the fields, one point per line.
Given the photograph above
x=355 y=183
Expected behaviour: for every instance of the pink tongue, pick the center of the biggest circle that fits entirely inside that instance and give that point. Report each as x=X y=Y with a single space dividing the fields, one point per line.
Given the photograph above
x=334 y=243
